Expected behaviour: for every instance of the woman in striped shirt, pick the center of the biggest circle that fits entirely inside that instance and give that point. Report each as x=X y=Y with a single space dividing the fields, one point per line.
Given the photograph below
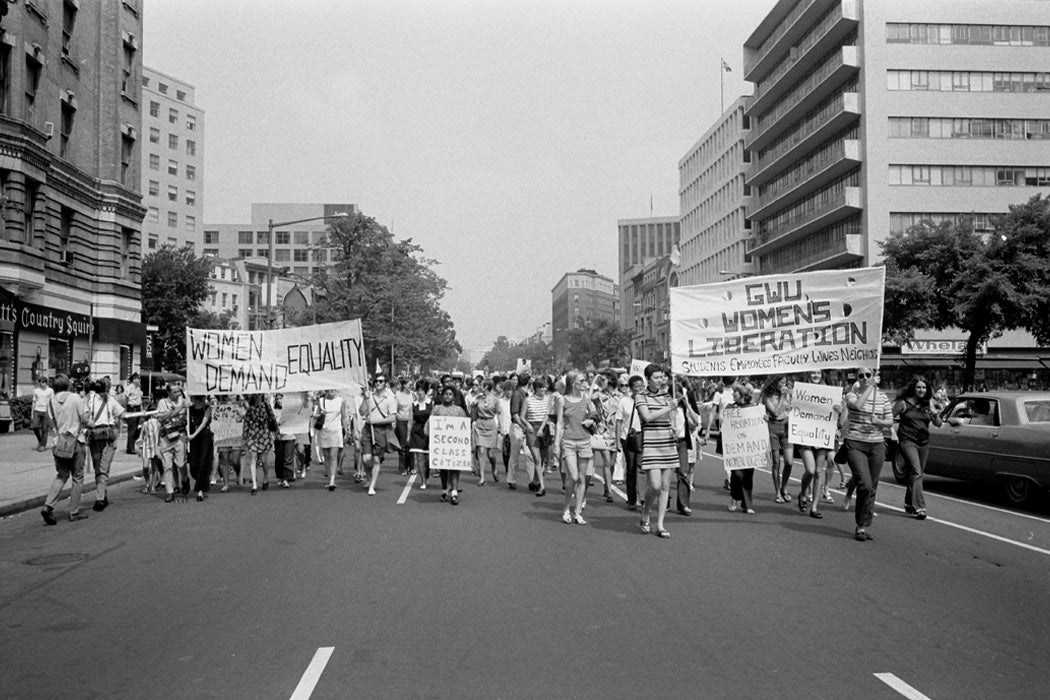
x=656 y=408
x=536 y=406
x=869 y=412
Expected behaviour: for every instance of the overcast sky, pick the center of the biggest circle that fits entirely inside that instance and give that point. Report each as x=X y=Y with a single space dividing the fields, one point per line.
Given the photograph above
x=506 y=137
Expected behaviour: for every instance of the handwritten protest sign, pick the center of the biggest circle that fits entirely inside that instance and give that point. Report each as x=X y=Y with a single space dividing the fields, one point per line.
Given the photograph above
x=745 y=438
x=227 y=424
x=450 y=443
x=778 y=323
x=813 y=419
x=307 y=358
x=638 y=368
x=524 y=366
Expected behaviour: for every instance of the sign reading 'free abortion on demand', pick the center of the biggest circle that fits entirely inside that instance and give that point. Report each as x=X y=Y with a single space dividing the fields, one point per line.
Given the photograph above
x=308 y=358
x=778 y=323
x=745 y=438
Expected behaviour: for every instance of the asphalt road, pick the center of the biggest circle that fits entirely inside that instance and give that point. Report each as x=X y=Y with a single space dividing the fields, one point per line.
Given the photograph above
x=497 y=598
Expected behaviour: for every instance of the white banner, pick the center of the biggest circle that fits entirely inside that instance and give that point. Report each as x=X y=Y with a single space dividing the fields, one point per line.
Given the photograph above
x=450 y=443
x=638 y=368
x=308 y=358
x=778 y=323
x=227 y=424
x=523 y=366
x=813 y=419
x=745 y=438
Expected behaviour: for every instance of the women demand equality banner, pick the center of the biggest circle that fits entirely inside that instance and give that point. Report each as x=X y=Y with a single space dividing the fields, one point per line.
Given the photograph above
x=286 y=360
x=777 y=324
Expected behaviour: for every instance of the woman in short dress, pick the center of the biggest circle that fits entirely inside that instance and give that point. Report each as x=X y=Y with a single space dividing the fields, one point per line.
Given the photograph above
x=449 y=477
x=330 y=437
x=418 y=440
x=776 y=397
x=483 y=413
x=202 y=448
x=814 y=461
x=258 y=438
x=659 y=459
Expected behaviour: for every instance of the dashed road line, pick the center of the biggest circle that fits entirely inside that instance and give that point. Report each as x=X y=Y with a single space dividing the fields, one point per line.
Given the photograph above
x=312 y=674
x=405 y=491
x=900 y=686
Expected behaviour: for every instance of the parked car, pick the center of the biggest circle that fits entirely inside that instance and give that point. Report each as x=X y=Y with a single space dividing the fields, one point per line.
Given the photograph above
x=996 y=437
x=5 y=415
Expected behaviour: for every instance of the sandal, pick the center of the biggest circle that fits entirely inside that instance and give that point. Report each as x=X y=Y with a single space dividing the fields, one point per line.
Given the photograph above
x=566 y=518
x=646 y=528
x=663 y=534
x=779 y=498
x=828 y=498
x=815 y=514
x=801 y=505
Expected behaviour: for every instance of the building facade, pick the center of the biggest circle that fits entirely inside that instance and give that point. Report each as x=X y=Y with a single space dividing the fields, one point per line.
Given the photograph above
x=715 y=199
x=867 y=117
x=172 y=162
x=639 y=242
x=580 y=298
x=70 y=196
x=651 y=326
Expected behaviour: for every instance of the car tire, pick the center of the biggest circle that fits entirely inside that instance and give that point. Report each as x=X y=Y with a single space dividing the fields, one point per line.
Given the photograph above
x=900 y=471
x=1018 y=489
x=5 y=426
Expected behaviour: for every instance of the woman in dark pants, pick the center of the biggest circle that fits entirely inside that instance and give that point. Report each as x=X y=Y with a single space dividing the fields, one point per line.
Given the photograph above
x=631 y=439
x=869 y=413
x=741 y=481
x=202 y=448
x=915 y=409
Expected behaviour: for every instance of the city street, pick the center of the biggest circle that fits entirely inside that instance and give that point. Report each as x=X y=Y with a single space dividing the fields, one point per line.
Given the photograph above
x=344 y=595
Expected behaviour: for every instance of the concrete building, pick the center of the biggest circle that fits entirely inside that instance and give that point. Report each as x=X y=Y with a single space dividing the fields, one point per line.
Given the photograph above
x=640 y=241
x=172 y=162
x=229 y=284
x=580 y=298
x=239 y=289
x=715 y=199
x=869 y=116
x=70 y=195
x=651 y=326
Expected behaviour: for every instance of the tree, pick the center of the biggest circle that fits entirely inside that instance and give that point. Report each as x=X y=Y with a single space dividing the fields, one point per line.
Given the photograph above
x=1021 y=249
x=210 y=320
x=599 y=340
x=392 y=289
x=174 y=285
x=499 y=358
x=946 y=275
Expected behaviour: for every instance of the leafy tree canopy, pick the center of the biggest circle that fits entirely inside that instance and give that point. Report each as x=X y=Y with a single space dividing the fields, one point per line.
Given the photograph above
x=174 y=284
x=599 y=341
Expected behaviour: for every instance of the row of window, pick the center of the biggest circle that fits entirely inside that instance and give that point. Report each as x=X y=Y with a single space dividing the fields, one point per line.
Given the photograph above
x=173 y=167
x=173 y=141
x=281 y=237
x=153 y=216
x=974 y=34
x=180 y=95
x=299 y=255
x=173 y=193
x=966 y=81
x=952 y=128
x=173 y=116
x=969 y=176
x=225 y=298
x=982 y=221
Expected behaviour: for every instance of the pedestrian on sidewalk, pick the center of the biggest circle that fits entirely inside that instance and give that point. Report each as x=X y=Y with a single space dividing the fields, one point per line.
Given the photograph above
x=103 y=429
x=133 y=392
x=42 y=395
x=69 y=416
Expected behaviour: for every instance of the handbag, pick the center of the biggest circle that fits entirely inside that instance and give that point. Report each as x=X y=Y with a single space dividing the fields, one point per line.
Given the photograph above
x=174 y=427
x=65 y=443
x=840 y=454
x=319 y=418
x=598 y=442
x=271 y=420
x=102 y=433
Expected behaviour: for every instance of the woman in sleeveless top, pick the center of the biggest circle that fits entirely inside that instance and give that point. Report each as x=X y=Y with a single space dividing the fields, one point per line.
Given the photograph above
x=659 y=446
x=576 y=420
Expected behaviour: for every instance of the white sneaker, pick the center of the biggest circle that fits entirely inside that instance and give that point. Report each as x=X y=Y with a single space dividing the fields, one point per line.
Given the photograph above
x=733 y=506
x=423 y=486
x=371 y=492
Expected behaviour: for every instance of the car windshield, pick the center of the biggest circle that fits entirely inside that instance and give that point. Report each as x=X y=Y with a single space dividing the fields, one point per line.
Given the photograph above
x=1038 y=411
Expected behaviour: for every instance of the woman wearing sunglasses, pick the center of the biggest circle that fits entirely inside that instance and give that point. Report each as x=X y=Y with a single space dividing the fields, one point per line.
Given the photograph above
x=869 y=412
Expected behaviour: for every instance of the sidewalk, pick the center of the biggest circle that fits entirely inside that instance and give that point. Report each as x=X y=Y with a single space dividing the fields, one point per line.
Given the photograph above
x=25 y=474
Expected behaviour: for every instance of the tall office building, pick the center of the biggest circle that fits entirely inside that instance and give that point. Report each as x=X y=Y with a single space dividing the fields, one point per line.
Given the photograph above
x=715 y=199
x=172 y=162
x=869 y=116
x=640 y=241
x=577 y=299
x=70 y=196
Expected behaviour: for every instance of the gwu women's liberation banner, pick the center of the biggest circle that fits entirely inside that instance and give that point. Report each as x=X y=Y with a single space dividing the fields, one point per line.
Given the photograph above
x=308 y=358
x=778 y=323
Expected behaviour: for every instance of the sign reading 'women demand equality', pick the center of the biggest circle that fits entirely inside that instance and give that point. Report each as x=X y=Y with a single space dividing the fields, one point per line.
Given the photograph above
x=778 y=323
x=308 y=358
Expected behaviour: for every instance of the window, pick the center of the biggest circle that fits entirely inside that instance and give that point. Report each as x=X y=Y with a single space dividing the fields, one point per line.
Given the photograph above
x=173 y=115
x=173 y=219
x=154 y=108
x=154 y=161
x=302 y=238
x=191 y=223
x=191 y=198
x=283 y=238
x=69 y=113
x=224 y=297
x=262 y=237
x=152 y=242
x=65 y=232
x=163 y=88
x=128 y=70
x=154 y=188
x=245 y=237
x=301 y=255
x=191 y=148
x=262 y=253
x=173 y=193
x=191 y=172
x=69 y=20
x=244 y=253
x=154 y=135
x=282 y=255
x=211 y=238
x=5 y=79
x=153 y=215
x=127 y=237
x=320 y=255
x=32 y=83
x=180 y=95
x=191 y=122
x=173 y=167
x=127 y=150
x=214 y=252
x=173 y=141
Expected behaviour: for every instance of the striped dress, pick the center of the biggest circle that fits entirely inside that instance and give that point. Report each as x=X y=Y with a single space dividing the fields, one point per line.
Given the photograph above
x=659 y=448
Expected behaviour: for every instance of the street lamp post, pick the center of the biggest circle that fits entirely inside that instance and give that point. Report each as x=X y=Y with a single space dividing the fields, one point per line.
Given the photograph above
x=269 y=258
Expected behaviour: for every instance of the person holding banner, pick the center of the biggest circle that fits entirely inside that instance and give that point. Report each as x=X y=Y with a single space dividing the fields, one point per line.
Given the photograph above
x=449 y=477
x=260 y=424
x=576 y=421
x=776 y=397
x=869 y=414
x=171 y=414
x=201 y=445
x=916 y=409
x=659 y=446
x=329 y=422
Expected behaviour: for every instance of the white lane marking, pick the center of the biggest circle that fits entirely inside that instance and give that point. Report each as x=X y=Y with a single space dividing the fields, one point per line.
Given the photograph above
x=404 y=491
x=612 y=487
x=312 y=674
x=900 y=686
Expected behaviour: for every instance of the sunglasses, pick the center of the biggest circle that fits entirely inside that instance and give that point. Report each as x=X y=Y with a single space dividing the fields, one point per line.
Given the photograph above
x=865 y=375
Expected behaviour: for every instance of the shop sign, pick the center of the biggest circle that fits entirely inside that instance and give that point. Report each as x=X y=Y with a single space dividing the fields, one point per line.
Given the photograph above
x=32 y=317
x=938 y=347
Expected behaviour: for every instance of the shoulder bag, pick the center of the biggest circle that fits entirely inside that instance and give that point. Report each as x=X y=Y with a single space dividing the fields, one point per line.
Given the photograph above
x=634 y=437
x=319 y=418
x=102 y=433
x=65 y=443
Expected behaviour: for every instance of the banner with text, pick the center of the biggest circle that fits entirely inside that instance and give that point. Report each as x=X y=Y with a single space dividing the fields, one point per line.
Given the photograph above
x=813 y=419
x=227 y=424
x=745 y=438
x=778 y=323
x=638 y=368
x=308 y=358
x=450 y=443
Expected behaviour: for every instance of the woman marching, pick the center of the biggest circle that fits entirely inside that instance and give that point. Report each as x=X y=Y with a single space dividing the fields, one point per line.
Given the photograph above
x=869 y=413
x=201 y=445
x=776 y=397
x=915 y=408
x=449 y=477
x=814 y=461
x=259 y=426
x=329 y=422
x=418 y=440
x=656 y=409
x=573 y=442
x=483 y=413
x=741 y=481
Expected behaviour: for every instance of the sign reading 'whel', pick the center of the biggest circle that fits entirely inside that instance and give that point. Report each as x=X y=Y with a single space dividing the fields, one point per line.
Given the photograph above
x=308 y=358
x=778 y=323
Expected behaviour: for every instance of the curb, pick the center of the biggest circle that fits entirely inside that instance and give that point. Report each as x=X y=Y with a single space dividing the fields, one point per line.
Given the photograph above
x=26 y=504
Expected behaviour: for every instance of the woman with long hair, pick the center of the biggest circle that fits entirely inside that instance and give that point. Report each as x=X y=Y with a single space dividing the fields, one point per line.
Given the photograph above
x=572 y=441
x=484 y=412
x=869 y=413
x=259 y=420
x=776 y=397
x=657 y=411
x=915 y=409
x=202 y=448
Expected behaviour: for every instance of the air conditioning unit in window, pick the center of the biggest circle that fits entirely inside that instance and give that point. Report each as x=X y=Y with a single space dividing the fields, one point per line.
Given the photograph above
x=67 y=257
x=49 y=129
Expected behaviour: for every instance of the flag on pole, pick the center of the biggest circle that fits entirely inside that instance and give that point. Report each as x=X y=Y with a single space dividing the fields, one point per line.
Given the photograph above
x=725 y=66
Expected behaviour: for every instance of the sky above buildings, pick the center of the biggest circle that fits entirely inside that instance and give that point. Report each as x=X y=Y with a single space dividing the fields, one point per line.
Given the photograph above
x=504 y=136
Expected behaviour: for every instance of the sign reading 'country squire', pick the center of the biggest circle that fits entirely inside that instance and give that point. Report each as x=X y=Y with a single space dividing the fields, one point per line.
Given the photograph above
x=778 y=323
